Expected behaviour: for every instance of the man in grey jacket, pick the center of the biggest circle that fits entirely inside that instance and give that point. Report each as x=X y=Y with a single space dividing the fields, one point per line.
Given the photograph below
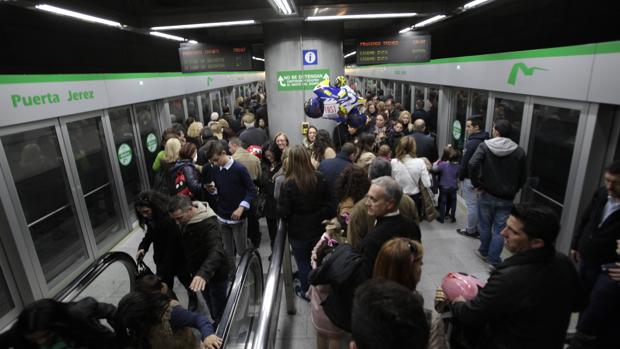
x=498 y=171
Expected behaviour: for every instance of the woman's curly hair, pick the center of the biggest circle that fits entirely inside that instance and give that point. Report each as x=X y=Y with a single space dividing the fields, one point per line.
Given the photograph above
x=353 y=182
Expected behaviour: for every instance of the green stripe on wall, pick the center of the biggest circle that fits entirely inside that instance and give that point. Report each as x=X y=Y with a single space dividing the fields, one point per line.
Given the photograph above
x=577 y=50
x=40 y=78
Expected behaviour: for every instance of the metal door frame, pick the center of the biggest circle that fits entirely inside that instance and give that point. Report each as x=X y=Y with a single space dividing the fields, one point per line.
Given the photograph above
x=117 y=189
x=21 y=233
x=158 y=133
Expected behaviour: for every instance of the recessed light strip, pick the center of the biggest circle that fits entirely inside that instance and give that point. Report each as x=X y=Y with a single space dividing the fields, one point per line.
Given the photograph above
x=258 y=59
x=350 y=54
x=167 y=36
x=84 y=17
x=366 y=16
x=284 y=7
x=474 y=4
x=429 y=21
x=205 y=25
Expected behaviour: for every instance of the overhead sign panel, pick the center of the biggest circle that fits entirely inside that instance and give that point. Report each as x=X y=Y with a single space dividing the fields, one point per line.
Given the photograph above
x=202 y=57
x=406 y=48
x=299 y=80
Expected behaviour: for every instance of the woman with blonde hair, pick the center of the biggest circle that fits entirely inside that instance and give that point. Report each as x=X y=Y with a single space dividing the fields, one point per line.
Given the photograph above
x=303 y=204
x=400 y=260
x=409 y=171
x=194 y=133
x=405 y=119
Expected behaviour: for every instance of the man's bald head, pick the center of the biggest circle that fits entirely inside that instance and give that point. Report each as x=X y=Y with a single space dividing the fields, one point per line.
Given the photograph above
x=419 y=125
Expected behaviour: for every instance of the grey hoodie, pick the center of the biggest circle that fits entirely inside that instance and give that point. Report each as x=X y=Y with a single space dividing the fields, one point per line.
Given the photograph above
x=501 y=146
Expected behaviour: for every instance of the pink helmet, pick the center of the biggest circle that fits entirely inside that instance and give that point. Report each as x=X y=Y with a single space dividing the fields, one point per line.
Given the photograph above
x=256 y=150
x=459 y=284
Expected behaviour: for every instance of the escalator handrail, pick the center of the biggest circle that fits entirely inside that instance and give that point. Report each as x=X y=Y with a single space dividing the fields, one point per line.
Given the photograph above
x=82 y=281
x=248 y=258
x=271 y=297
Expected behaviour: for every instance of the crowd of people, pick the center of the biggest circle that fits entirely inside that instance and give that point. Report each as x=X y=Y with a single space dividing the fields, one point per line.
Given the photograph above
x=352 y=204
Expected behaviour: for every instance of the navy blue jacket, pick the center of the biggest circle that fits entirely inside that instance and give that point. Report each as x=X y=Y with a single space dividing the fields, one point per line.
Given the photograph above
x=470 y=148
x=181 y=317
x=331 y=168
x=233 y=186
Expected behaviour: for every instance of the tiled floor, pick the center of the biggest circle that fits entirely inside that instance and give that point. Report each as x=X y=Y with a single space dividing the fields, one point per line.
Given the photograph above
x=445 y=251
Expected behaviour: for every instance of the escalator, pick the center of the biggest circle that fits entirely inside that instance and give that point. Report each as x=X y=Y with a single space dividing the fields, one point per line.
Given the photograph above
x=250 y=318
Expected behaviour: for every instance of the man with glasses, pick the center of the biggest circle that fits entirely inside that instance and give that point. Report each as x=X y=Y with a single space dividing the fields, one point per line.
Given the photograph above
x=204 y=254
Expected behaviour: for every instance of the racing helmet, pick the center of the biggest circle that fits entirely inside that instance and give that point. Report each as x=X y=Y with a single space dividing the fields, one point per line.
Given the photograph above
x=340 y=81
x=460 y=284
x=314 y=107
x=256 y=150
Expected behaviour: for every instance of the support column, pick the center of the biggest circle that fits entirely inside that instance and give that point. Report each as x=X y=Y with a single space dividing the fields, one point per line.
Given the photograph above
x=284 y=44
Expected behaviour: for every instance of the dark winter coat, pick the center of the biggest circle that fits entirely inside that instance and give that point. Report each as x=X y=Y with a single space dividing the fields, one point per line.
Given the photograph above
x=192 y=177
x=596 y=242
x=202 y=245
x=253 y=136
x=304 y=212
x=498 y=167
x=470 y=148
x=165 y=236
x=268 y=189
x=385 y=229
x=425 y=146
x=526 y=303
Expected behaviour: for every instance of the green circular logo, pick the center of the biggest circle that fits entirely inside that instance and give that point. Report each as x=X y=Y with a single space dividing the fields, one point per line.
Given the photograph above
x=124 y=154
x=456 y=130
x=151 y=142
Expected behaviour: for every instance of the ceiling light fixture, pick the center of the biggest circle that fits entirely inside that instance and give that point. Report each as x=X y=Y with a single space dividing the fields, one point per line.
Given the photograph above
x=205 y=25
x=284 y=7
x=350 y=54
x=84 y=17
x=402 y=31
x=193 y=42
x=474 y=3
x=429 y=21
x=258 y=59
x=167 y=36
x=366 y=16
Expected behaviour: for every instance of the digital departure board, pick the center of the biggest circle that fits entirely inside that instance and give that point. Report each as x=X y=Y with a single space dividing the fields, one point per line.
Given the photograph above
x=201 y=57
x=400 y=49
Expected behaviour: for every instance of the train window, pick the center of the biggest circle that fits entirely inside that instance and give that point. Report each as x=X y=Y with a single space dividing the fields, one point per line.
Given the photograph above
x=206 y=108
x=479 y=103
x=432 y=106
x=458 y=123
x=550 y=151
x=6 y=301
x=124 y=141
x=94 y=169
x=512 y=111
x=177 y=112
x=192 y=107
x=149 y=136
x=41 y=181
x=215 y=101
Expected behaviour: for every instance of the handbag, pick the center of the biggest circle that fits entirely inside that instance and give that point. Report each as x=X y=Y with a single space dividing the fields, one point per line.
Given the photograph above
x=428 y=202
x=143 y=270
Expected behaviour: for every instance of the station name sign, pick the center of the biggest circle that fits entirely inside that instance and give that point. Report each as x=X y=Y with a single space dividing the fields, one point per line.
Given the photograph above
x=203 y=58
x=18 y=100
x=405 y=48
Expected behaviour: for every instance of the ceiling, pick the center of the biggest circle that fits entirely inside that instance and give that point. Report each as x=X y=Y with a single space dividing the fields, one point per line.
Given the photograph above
x=144 y=14
x=497 y=26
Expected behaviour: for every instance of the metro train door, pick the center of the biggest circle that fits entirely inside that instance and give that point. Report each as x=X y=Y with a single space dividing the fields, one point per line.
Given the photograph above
x=146 y=119
x=45 y=204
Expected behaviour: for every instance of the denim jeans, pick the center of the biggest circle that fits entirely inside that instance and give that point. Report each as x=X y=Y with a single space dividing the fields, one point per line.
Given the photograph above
x=471 y=200
x=215 y=295
x=447 y=203
x=302 y=249
x=492 y=215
